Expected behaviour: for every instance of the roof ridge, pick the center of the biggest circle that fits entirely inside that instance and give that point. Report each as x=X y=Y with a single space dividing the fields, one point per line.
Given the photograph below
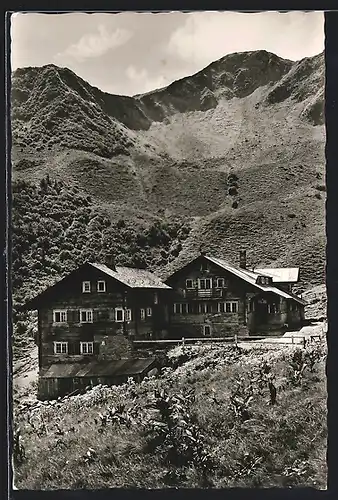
x=245 y=274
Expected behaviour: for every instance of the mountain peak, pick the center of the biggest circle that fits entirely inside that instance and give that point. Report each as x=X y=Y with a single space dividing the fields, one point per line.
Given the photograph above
x=61 y=107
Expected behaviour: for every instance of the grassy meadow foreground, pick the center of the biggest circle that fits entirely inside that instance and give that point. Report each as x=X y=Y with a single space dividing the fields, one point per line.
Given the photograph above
x=218 y=416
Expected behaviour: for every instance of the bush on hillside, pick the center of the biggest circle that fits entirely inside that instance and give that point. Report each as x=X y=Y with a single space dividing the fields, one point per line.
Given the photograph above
x=55 y=229
x=210 y=421
x=233 y=191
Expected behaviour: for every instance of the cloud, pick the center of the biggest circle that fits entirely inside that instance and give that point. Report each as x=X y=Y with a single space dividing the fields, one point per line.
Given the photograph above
x=94 y=45
x=145 y=82
x=208 y=36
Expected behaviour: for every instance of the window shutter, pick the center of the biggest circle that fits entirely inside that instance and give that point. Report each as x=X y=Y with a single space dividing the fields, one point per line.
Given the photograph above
x=96 y=348
x=73 y=316
x=71 y=348
x=103 y=314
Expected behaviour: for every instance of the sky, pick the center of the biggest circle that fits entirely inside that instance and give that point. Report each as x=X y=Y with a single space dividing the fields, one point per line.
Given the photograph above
x=132 y=53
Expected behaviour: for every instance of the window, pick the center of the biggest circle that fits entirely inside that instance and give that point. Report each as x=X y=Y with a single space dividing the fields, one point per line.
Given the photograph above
x=250 y=306
x=60 y=316
x=204 y=308
x=119 y=314
x=185 y=308
x=142 y=313
x=122 y=314
x=149 y=312
x=207 y=330
x=189 y=284
x=234 y=307
x=86 y=287
x=101 y=286
x=86 y=315
x=60 y=347
x=86 y=347
x=273 y=308
x=220 y=282
x=229 y=306
x=128 y=314
x=264 y=280
x=155 y=298
x=181 y=308
x=205 y=283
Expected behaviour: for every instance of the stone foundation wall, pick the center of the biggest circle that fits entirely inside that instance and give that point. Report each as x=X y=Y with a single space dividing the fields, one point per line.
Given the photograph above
x=113 y=346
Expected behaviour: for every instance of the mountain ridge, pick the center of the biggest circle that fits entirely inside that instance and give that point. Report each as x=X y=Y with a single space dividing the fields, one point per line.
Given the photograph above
x=208 y=147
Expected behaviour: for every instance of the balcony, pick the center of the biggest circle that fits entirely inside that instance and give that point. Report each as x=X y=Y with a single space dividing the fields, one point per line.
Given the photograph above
x=197 y=293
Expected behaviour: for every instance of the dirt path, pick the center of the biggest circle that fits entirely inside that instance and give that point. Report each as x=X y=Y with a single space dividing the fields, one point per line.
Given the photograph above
x=294 y=337
x=25 y=374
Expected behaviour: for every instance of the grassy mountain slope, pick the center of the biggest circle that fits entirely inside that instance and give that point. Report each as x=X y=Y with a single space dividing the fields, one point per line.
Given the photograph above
x=209 y=420
x=238 y=147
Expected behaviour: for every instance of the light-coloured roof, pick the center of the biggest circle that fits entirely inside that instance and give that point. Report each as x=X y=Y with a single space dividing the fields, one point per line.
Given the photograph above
x=132 y=277
x=280 y=274
x=128 y=276
x=251 y=277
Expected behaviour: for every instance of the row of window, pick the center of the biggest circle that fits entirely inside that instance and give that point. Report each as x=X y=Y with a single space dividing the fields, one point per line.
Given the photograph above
x=101 y=287
x=86 y=315
x=264 y=280
x=230 y=306
x=87 y=286
x=62 y=347
x=204 y=283
x=273 y=308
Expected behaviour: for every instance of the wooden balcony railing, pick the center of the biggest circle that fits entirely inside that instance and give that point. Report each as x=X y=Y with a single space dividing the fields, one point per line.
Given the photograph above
x=203 y=294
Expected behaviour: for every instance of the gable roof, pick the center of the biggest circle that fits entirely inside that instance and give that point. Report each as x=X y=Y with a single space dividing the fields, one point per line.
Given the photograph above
x=281 y=274
x=128 y=276
x=132 y=276
x=248 y=276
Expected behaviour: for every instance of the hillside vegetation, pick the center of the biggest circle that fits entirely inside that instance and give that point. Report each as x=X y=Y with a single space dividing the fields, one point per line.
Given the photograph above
x=56 y=228
x=236 y=150
x=218 y=416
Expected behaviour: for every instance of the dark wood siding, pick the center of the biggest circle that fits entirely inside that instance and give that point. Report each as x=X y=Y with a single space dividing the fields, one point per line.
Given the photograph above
x=69 y=297
x=245 y=320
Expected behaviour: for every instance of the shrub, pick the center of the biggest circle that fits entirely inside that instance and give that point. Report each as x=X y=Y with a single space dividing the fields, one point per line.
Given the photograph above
x=232 y=191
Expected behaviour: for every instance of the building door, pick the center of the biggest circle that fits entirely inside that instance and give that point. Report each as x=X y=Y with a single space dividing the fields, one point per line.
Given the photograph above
x=261 y=312
x=65 y=386
x=207 y=330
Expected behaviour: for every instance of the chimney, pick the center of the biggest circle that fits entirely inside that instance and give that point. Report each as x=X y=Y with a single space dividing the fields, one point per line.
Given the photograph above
x=110 y=262
x=202 y=250
x=242 y=259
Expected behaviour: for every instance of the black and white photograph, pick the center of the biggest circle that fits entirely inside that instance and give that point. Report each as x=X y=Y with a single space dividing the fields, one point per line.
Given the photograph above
x=168 y=250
